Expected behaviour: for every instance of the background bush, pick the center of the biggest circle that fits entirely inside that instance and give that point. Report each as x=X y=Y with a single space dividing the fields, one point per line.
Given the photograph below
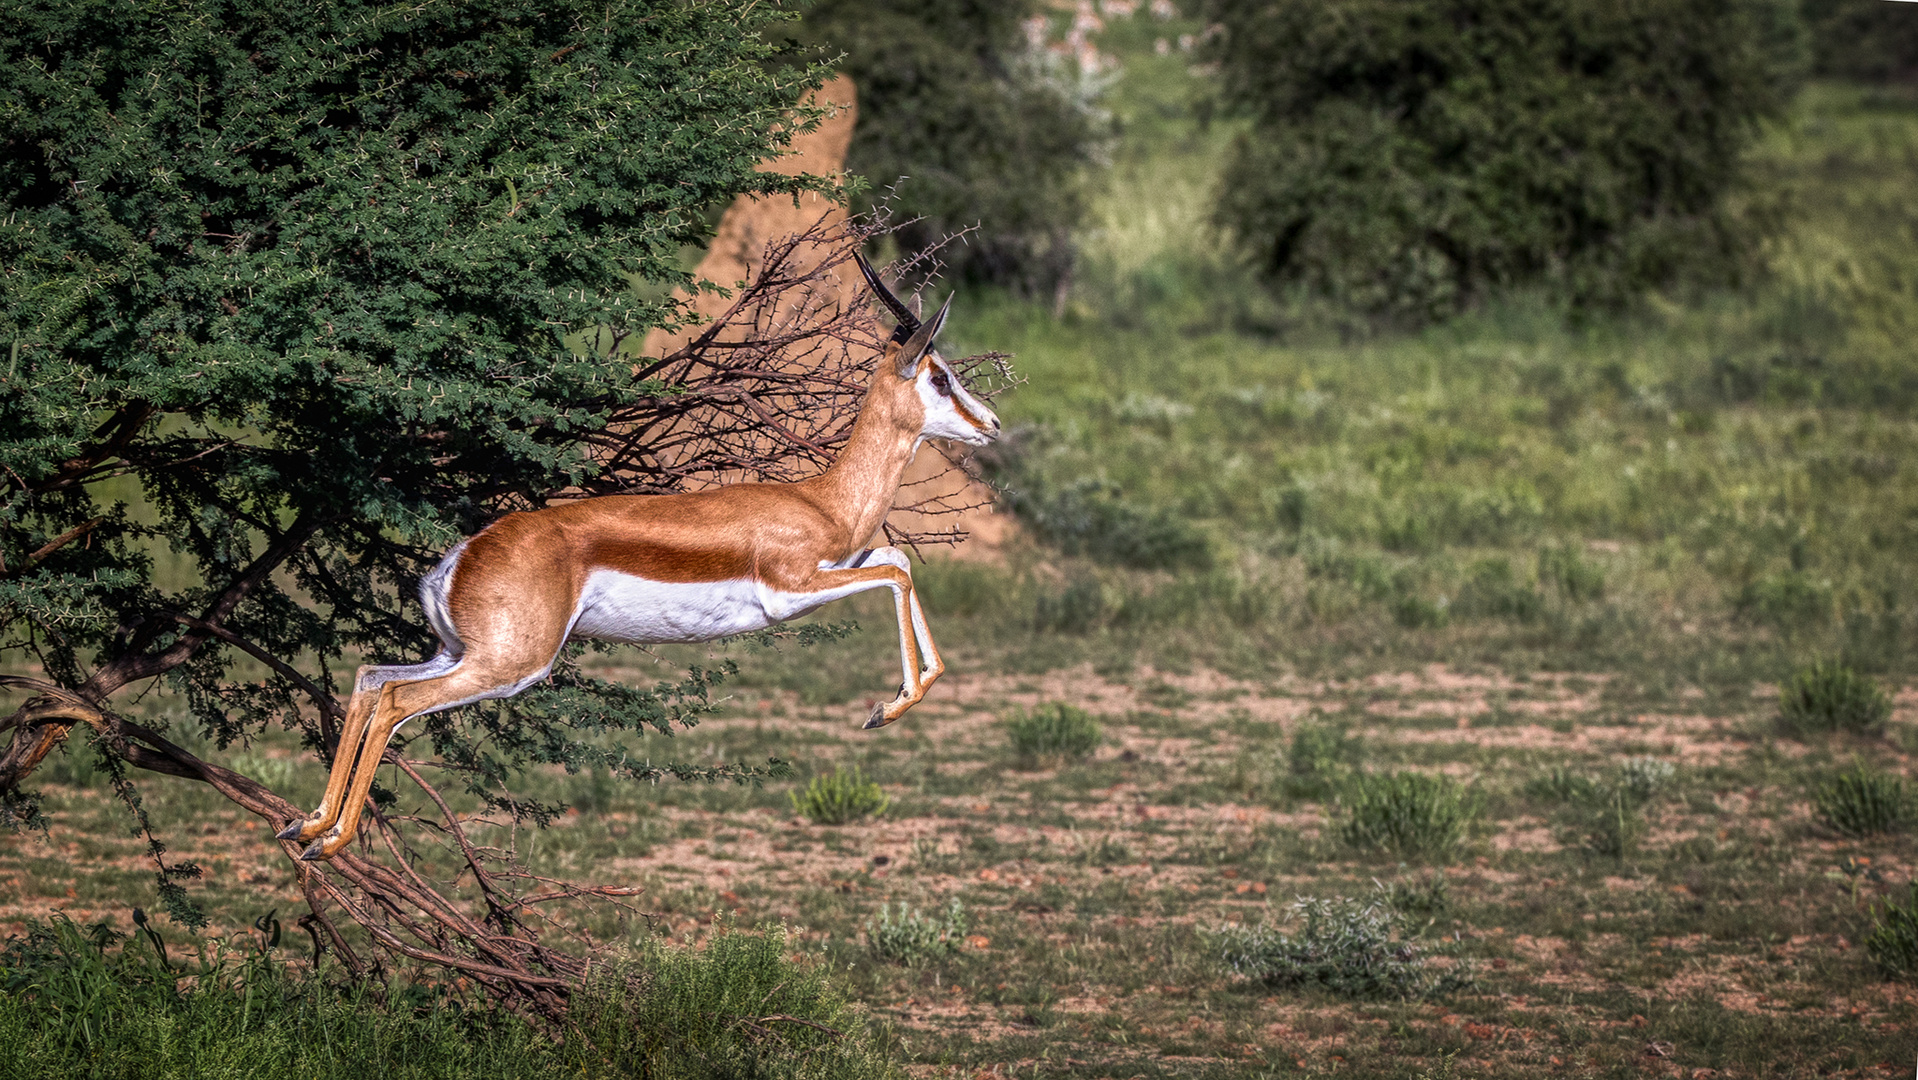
x=1863 y=802
x=1409 y=159
x=1863 y=40
x=1410 y=814
x=837 y=797
x=1830 y=695
x=1356 y=948
x=988 y=132
x=1054 y=731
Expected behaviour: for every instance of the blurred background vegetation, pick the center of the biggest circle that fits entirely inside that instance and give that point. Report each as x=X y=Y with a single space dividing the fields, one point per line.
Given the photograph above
x=1662 y=421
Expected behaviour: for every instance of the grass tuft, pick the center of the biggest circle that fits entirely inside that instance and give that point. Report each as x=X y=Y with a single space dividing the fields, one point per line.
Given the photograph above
x=911 y=938
x=1862 y=802
x=836 y=798
x=1322 y=757
x=1409 y=814
x=1828 y=695
x=1053 y=732
x=1893 y=941
x=1354 y=948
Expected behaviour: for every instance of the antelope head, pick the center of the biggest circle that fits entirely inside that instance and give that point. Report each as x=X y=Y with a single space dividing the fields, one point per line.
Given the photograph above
x=949 y=410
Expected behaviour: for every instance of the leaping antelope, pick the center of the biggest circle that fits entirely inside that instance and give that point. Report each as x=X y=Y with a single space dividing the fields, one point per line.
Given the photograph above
x=658 y=568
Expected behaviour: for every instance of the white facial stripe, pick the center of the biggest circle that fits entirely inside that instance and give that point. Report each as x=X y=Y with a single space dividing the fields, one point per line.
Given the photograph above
x=956 y=415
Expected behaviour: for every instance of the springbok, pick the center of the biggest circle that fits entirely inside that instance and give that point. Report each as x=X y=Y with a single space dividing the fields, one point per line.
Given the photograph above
x=657 y=568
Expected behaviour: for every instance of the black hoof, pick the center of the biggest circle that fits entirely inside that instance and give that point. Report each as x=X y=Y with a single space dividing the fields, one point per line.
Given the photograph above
x=315 y=851
x=291 y=832
x=877 y=719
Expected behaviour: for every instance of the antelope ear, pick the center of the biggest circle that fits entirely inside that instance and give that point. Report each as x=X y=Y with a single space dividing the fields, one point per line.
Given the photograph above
x=916 y=347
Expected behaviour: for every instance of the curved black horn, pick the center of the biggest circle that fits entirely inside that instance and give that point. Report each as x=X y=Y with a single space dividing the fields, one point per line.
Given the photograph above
x=908 y=324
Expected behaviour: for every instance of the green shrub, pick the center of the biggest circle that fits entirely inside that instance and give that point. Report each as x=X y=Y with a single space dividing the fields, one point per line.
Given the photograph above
x=1563 y=785
x=836 y=798
x=1409 y=814
x=1077 y=609
x=1565 y=569
x=1409 y=159
x=1491 y=590
x=1862 y=802
x=1053 y=732
x=1093 y=519
x=1788 y=600
x=1425 y=899
x=1864 y=40
x=741 y=1006
x=1322 y=756
x=911 y=938
x=1828 y=695
x=1354 y=948
x=80 y=1001
x=1893 y=941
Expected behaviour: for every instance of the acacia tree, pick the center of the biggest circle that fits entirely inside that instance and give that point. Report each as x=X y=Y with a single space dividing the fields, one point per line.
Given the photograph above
x=322 y=288
x=1410 y=159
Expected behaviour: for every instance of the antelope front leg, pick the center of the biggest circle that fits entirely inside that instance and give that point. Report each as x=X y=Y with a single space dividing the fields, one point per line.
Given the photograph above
x=919 y=663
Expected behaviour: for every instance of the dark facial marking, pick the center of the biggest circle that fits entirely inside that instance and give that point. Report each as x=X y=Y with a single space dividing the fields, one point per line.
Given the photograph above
x=941 y=381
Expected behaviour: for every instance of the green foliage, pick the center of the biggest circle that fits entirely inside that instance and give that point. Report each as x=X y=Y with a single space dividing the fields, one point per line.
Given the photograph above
x=1351 y=947
x=837 y=797
x=84 y=1001
x=1410 y=159
x=1611 y=824
x=1053 y=732
x=1893 y=941
x=1409 y=814
x=1577 y=579
x=1076 y=609
x=1830 y=695
x=1865 y=40
x=741 y=1006
x=911 y=938
x=1644 y=778
x=1563 y=785
x=989 y=133
x=1095 y=520
x=1863 y=802
x=80 y=1001
x=285 y=312
x=1322 y=756
x=1424 y=899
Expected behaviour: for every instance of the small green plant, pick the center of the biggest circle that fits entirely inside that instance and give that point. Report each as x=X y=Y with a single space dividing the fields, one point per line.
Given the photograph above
x=1575 y=578
x=1323 y=756
x=1354 y=948
x=911 y=938
x=1643 y=778
x=1893 y=941
x=1409 y=814
x=1563 y=785
x=1614 y=824
x=1053 y=732
x=1425 y=899
x=837 y=797
x=1828 y=695
x=1861 y=802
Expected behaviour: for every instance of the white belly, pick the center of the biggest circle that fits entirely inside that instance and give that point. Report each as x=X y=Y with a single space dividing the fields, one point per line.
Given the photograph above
x=620 y=607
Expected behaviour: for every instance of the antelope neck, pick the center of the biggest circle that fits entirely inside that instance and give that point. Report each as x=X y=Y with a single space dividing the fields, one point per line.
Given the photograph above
x=860 y=486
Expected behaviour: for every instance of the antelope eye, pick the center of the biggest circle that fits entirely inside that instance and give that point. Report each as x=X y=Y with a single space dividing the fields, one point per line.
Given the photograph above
x=941 y=382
